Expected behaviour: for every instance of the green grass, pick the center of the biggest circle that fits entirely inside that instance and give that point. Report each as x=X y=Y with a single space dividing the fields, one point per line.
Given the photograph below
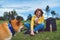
x=1 y=21
x=40 y=36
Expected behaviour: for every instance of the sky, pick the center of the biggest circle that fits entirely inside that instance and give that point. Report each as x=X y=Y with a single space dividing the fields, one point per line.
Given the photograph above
x=25 y=7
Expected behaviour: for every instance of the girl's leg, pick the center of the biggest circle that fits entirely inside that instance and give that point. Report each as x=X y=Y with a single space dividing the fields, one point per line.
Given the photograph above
x=27 y=25
x=39 y=27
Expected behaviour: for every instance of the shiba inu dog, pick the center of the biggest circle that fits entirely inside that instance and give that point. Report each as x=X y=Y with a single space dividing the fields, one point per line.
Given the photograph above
x=17 y=24
x=7 y=30
x=5 y=33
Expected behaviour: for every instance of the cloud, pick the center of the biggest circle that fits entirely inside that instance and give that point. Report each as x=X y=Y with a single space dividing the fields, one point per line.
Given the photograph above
x=26 y=6
x=2 y=10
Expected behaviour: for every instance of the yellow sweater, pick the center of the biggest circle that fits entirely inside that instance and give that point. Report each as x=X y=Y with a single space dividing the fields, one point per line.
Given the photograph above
x=40 y=20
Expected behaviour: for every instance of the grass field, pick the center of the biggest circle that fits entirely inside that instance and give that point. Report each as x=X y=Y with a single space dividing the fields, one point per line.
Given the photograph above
x=40 y=36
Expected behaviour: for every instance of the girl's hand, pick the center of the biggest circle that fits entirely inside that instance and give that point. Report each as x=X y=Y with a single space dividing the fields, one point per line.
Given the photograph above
x=32 y=33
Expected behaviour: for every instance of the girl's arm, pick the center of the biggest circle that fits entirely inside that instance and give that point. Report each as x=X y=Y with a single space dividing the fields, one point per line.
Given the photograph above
x=32 y=26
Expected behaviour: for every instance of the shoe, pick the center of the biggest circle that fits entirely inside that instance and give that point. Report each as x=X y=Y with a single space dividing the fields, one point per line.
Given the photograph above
x=36 y=32
x=27 y=32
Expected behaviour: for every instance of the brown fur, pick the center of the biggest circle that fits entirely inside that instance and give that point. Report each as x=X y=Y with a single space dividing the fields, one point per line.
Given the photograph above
x=4 y=31
x=16 y=25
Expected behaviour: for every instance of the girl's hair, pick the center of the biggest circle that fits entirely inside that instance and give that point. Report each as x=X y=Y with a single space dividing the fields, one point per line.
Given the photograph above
x=38 y=10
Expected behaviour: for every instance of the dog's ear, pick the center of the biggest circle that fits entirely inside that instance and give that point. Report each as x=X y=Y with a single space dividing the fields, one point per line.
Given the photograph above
x=18 y=18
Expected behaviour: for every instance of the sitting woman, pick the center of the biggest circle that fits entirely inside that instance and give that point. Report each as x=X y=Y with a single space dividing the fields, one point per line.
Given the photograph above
x=37 y=22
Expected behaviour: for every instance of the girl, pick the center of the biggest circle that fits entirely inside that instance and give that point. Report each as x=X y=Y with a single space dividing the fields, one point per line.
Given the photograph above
x=37 y=22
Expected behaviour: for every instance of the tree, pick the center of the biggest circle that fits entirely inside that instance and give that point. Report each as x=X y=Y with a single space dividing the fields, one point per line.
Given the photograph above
x=53 y=13
x=47 y=10
x=6 y=14
x=10 y=14
x=13 y=13
x=50 y=22
x=1 y=18
x=29 y=17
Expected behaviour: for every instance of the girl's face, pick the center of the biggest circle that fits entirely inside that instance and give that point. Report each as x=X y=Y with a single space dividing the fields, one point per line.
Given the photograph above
x=38 y=13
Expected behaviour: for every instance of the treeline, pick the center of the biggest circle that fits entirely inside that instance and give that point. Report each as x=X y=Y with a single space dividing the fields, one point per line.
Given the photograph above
x=13 y=13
